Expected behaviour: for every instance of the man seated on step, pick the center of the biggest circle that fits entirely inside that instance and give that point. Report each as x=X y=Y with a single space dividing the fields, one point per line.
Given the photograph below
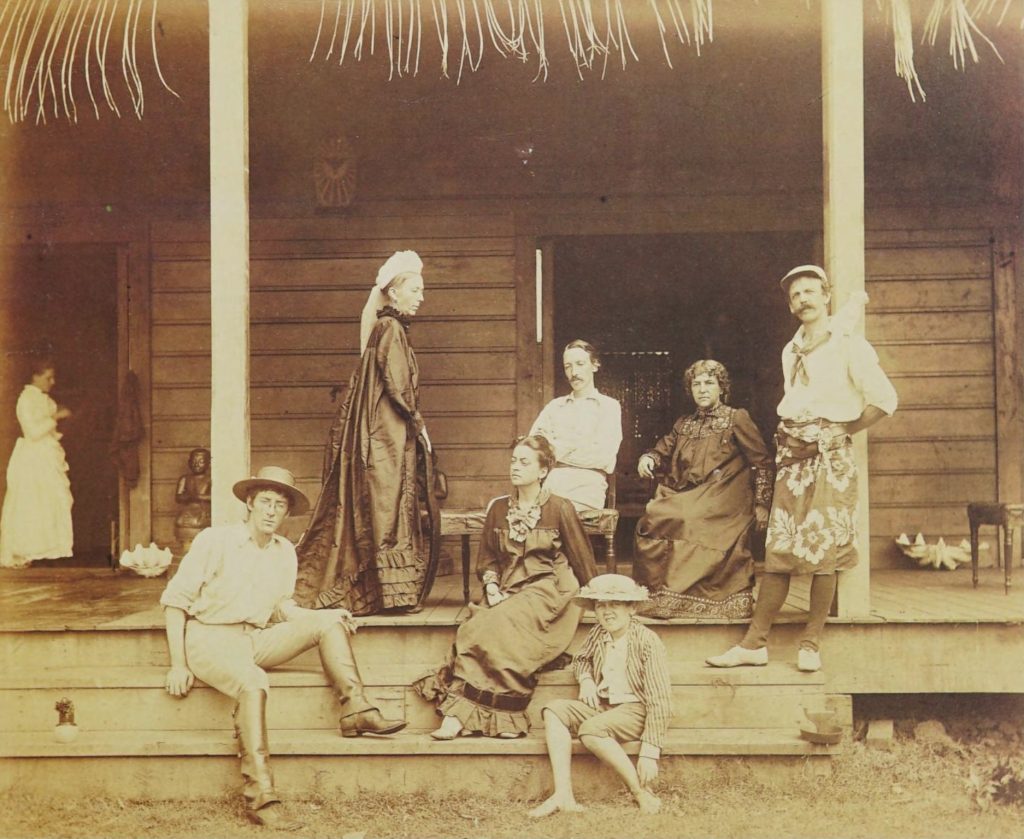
x=230 y=615
x=625 y=694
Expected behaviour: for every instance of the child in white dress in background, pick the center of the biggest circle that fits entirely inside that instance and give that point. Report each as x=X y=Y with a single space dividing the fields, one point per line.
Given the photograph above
x=36 y=519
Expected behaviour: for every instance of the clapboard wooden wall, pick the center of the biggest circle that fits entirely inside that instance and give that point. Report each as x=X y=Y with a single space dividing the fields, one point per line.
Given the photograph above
x=931 y=320
x=306 y=298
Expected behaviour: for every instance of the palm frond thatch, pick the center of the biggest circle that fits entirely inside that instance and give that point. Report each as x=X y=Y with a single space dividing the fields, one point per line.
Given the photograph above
x=594 y=30
x=37 y=36
x=598 y=30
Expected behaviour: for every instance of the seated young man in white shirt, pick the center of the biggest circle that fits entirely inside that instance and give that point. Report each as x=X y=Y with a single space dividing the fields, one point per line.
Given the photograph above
x=585 y=429
x=230 y=615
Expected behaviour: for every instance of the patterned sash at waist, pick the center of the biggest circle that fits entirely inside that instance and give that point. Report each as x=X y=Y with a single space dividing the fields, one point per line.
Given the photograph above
x=803 y=440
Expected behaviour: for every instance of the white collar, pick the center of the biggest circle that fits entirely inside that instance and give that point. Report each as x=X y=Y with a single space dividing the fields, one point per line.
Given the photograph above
x=244 y=536
x=595 y=394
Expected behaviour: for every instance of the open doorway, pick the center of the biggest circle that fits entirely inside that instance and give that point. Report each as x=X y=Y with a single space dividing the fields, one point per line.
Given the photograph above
x=654 y=304
x=61 y=300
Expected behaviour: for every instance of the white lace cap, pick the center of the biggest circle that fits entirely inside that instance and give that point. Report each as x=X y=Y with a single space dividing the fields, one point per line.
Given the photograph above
x=400 y=262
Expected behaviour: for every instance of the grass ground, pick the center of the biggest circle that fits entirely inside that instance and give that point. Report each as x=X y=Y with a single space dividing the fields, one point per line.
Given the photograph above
x=914 y=790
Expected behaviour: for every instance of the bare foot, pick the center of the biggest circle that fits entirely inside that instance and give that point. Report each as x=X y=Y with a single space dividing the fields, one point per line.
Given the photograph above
x=554 y=805
x=647 y=801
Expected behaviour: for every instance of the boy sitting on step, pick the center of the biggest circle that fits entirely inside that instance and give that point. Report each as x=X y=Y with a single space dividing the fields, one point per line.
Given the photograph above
x=625 y=694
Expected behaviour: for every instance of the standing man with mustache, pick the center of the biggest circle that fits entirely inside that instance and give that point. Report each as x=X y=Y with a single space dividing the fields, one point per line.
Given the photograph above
x=585 y=430
x=834 y=388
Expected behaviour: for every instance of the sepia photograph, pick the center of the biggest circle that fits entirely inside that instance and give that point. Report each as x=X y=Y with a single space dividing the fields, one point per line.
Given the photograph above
x=512 y=418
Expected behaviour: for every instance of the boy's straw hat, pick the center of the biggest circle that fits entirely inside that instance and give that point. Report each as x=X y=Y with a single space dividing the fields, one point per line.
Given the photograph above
x=616 y=587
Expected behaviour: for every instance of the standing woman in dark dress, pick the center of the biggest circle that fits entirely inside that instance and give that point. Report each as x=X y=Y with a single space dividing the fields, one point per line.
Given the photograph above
x=533 y=558
x=715 y=480
x=369 y=544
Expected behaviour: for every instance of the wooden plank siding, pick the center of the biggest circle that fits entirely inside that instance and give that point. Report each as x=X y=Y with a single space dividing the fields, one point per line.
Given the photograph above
x=306 y=300
x=931 y=320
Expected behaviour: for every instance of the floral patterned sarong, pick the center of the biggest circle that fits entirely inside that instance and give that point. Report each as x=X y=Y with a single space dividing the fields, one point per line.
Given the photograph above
x=812 y=528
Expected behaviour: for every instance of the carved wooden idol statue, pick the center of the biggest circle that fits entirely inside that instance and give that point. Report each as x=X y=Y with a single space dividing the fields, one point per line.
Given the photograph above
x=193 y=494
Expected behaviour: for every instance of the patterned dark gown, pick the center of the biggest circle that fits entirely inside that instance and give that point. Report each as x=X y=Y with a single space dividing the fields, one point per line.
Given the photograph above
x=692 y=543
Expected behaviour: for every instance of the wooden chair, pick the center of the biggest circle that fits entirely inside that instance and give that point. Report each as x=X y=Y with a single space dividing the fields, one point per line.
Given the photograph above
x=1010 y=517
x=468 y=523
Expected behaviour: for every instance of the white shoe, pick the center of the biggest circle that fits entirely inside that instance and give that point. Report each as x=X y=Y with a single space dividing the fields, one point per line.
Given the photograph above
x=808 y=660
x=451 y=727
x=740 y=656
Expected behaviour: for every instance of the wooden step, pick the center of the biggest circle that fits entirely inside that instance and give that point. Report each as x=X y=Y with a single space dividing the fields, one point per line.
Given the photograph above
x=162 y=743
x=404 y=644
x=133 y=698
x=506 y=771
x=303 y=675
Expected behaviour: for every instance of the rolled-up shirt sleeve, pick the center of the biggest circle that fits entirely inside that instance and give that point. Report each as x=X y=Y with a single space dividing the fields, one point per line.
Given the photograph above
x=183 y=589
x=286 y=606
x=867 y=375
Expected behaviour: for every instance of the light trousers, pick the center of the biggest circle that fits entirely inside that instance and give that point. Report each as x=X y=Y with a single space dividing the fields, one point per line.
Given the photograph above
x=232 y=658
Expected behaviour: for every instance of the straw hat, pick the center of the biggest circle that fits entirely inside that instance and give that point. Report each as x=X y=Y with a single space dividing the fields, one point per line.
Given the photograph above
x=276 y=478
x=617 y=587
x=806 y=271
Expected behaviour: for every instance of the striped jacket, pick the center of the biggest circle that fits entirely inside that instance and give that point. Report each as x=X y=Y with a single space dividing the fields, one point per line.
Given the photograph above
x=646 y=672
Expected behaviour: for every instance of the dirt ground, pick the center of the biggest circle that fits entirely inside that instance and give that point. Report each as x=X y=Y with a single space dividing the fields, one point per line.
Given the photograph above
x=927 y=785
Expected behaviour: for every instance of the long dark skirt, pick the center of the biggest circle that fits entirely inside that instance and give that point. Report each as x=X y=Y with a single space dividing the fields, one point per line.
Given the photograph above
x=692 y=548
x=490 y=675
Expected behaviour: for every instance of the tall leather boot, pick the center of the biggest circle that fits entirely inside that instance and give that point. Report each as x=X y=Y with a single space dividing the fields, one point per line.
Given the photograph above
x=358 y=715
x=264 y=806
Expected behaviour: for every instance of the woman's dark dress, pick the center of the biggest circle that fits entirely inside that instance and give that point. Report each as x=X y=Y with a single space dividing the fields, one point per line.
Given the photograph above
x=369 y=546
x=691 y=543
x=490 y=675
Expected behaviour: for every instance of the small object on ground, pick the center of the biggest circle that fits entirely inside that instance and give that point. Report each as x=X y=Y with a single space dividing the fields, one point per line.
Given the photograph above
x=933 y=733
x=822 y=729
x=147 y=562
x=824 y=735
x=65 y=731
x=939 y=556
x=880 y=734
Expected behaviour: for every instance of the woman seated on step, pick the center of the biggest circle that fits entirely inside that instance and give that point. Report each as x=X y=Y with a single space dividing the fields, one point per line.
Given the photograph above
x=533 y=558
x=714 y=481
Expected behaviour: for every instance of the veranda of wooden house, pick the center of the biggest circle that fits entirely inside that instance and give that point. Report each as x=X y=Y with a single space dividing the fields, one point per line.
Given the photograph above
x=650 y=209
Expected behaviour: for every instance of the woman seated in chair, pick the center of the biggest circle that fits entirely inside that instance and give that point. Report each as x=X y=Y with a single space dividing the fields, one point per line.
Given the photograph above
x=714 y=481
x=533 y=558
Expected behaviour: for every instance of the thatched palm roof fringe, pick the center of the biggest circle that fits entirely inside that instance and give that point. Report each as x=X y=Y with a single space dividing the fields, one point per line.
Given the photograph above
x=34 y=34
x=590 y=35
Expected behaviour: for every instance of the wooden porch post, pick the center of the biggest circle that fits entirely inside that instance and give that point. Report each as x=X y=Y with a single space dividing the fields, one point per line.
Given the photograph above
x=229 y=252
x=842 y=86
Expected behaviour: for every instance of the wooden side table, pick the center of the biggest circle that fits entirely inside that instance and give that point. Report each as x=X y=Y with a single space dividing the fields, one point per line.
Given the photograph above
x=1010 y=517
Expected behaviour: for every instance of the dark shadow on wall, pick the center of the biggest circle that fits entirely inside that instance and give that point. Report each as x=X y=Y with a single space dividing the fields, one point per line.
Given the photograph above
x=62 y=301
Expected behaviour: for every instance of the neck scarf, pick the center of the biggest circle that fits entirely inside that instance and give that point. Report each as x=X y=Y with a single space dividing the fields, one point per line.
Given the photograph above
x=801 y=353
x=522 y=518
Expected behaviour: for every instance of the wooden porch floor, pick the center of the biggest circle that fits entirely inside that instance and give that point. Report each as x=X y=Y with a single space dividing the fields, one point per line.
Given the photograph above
x=80 y=598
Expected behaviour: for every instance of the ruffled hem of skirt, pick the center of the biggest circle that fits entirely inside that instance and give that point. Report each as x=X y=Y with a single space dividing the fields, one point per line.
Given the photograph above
x=479 y=719
x=400 y=576
x=476 y=719
x=667 y=604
